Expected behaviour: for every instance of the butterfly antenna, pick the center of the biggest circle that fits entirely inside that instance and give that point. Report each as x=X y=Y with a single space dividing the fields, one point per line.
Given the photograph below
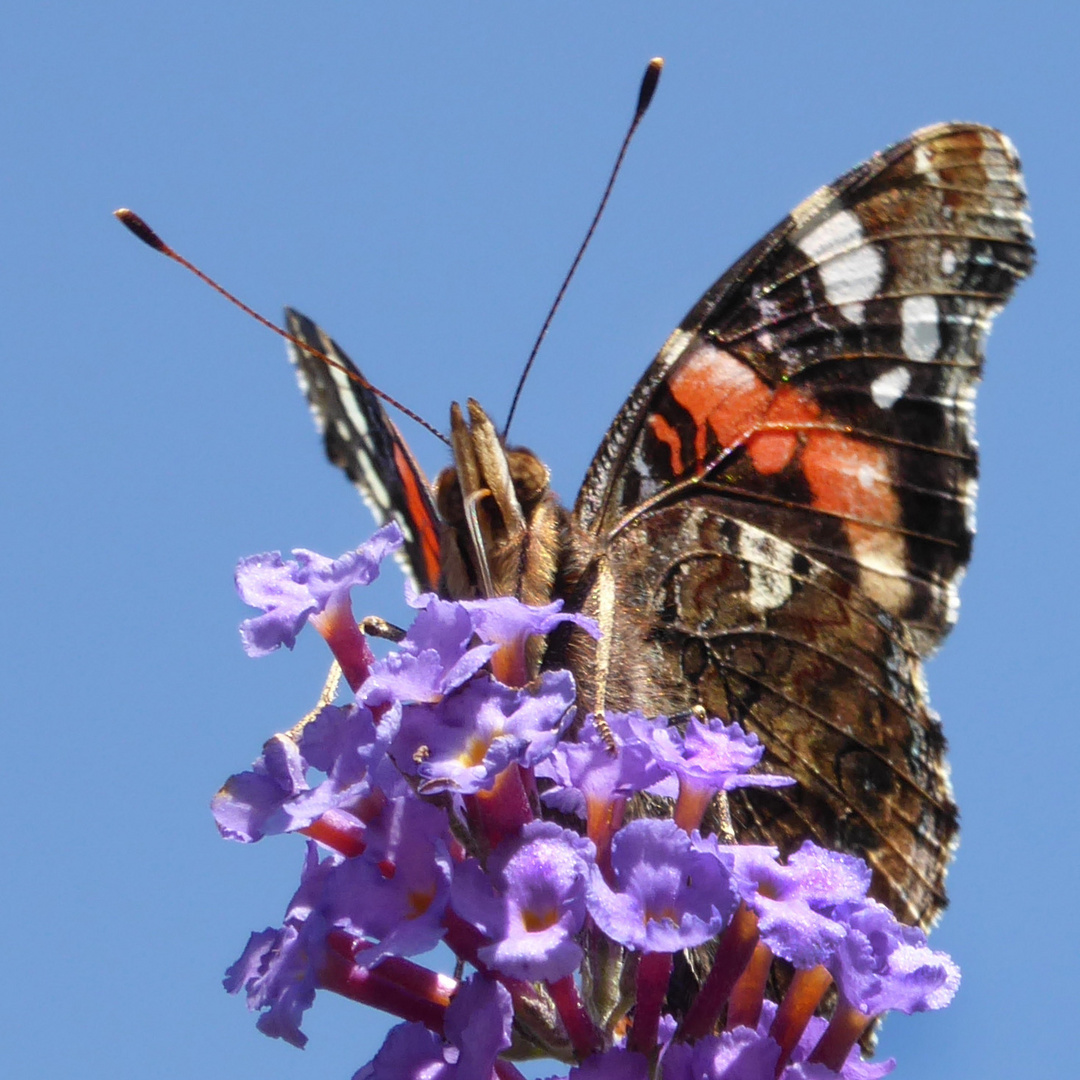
x=645 y=96
x=147 y=235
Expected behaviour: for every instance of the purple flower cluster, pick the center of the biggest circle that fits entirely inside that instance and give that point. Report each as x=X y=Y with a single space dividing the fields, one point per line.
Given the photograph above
x=442 y=805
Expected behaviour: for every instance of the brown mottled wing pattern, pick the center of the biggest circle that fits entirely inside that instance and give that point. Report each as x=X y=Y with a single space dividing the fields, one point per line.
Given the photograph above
x=775 y=526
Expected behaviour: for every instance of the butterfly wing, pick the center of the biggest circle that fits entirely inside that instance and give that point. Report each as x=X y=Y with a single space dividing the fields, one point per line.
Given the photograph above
x=775 y=525
x=362 y=441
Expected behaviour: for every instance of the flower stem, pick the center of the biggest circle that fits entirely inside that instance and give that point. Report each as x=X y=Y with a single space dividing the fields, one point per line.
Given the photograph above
x=734 y=952
x=603 y=819
x=843 y=1032
x=376 y=989
x=338 y=628
x=802 y=998
x=412 y=977
x=500 y=813
x=653 y=976
x=744 y=1004
x=582 y=1032
x=691 y=805
x=343 y=835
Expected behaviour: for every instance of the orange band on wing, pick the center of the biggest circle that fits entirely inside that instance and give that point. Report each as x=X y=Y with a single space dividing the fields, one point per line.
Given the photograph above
x=667 y=434
x=721 y=393
x=419 y=511
x=848 y=477
x=772 y=451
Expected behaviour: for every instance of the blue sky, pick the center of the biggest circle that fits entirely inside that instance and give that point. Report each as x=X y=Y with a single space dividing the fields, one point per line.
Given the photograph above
x=416 y=176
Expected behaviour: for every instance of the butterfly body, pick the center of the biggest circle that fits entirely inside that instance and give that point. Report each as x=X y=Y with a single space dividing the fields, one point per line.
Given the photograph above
x=774 y=527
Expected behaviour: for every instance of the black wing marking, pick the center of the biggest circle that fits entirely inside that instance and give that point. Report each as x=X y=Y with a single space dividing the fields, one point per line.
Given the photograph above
x=362 y=441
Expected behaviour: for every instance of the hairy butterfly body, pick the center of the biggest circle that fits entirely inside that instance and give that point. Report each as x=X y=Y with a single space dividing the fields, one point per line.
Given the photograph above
x=774 y=527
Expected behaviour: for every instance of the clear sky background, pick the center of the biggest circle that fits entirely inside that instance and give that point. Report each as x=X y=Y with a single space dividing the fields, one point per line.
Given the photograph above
x=416 y=176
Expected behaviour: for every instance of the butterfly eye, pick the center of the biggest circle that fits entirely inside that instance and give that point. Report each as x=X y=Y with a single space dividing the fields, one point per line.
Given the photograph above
x=531 y=478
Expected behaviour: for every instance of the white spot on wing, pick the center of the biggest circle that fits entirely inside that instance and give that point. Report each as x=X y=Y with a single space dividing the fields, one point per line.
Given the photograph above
x=674 y=346
x=851 y=268
x=969 y=490
x=348 y=402
x=887 y=389
x=921 y=337
x=986 y=322
x=952 y=597
x=649 y=484
x=771 y=314
x=377 y=491
x=924 y=163
x=770 y=564
x=870 y=477
x=881 y=555
x=948 y=261
x=372 y=487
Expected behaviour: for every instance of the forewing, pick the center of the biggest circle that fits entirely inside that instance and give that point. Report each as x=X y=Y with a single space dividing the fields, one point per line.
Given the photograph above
x=361 y=440
x=824 y=387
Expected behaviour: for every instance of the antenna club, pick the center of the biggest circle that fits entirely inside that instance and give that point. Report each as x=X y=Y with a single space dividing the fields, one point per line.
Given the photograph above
x=130 y=220
x=649 y=82
x=135 y=224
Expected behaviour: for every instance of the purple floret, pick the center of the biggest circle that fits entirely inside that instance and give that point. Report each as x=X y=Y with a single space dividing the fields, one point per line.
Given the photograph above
x=274 y=796
x=586 y=771
x=409 y=1052
x=718 y=757
x=465 y=741
x=741 y=1054
x=434 y=657
x=883 y=965
x=290 y=593
x=530 y=903
x=279 y=969
x=504 y=620
x=396 y=893
x=616 y=1064
x=478 y=1024
x=668 y=895
x=250 y=804
x=795 y=903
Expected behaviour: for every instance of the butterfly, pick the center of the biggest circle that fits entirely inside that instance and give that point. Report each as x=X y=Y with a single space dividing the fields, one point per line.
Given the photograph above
x=775 y=524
